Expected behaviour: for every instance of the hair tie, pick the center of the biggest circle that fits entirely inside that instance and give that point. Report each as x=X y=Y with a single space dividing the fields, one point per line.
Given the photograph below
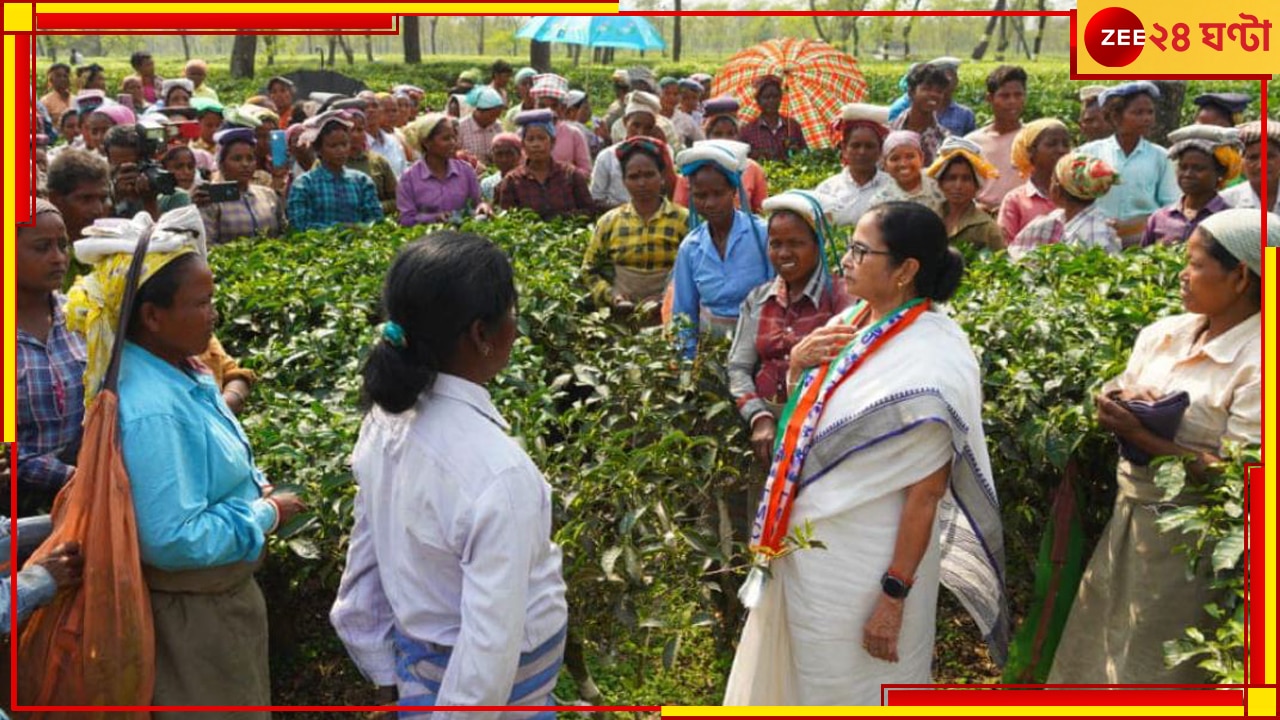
x=393 y=333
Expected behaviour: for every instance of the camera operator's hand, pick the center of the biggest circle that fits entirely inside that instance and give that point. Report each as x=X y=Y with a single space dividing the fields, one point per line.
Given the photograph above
x=126 y=177
x=280 y=179
x=200 y=196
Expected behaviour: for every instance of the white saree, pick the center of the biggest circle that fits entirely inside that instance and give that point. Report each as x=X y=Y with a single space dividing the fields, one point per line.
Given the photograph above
x=914 y=406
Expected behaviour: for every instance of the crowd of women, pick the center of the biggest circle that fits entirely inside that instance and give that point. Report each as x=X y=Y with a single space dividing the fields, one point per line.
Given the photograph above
x=453 y=593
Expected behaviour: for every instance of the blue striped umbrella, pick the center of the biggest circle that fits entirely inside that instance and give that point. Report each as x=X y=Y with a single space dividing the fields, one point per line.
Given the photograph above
x=615 y=31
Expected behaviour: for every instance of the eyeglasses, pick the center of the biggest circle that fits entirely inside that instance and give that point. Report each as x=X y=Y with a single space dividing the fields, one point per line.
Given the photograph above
x=860 y=251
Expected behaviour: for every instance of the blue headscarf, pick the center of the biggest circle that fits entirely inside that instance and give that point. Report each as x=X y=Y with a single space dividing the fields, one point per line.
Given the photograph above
x=814 y=214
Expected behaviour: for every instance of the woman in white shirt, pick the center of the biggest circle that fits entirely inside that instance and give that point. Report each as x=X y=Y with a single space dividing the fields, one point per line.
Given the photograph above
x=452 y=594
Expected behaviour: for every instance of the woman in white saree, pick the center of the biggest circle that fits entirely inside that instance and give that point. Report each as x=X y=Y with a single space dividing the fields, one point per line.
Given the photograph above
x=891 y=471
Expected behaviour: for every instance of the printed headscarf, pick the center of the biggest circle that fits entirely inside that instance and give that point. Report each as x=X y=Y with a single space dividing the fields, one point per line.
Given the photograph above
x=1085 y=177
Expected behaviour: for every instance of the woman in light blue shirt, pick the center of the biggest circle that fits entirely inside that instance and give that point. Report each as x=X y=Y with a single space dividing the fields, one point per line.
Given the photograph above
x=1148 y=180
x=203 y=509
x=725 y=256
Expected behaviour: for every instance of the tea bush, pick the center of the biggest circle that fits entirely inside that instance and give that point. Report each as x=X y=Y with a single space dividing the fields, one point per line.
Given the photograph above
x=643 y=449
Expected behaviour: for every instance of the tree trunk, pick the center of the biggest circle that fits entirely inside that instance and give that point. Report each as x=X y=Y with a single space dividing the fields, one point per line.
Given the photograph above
x=368 y=48
x=981 y=49
x=1040 y=31
x=346 y=50
x=480 y=38
x=435 y=21
x=676 y=38
x=1022 y=37
x=1168 y=109
x=333 y=51
x=540 y=56
x=412 y=41
x=576 y=52
x=906 y=31
x=817 y=23
x=186 y=47
x=270 y=42
x=243 y=53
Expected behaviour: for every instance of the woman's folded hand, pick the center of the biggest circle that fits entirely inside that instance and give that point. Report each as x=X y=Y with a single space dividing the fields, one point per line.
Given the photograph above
x=821 y=346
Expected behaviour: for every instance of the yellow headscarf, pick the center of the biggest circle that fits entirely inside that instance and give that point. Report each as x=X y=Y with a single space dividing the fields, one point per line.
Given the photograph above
x=954 y=148
x=94 y=301
x=1020 y=154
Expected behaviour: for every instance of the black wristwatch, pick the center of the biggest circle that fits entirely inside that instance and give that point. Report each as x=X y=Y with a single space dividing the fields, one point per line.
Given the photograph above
x=894 y=587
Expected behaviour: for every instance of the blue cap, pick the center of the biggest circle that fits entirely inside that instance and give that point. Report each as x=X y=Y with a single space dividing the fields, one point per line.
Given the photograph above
x=1129 y=88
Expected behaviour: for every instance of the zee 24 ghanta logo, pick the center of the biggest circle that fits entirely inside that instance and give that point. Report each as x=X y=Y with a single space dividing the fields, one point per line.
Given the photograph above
x=1115 y=37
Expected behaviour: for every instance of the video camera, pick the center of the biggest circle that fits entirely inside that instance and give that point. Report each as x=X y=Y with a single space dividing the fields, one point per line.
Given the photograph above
x=152 y=138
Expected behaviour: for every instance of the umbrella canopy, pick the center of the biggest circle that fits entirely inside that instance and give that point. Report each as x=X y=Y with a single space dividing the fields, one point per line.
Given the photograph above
x=306 y=82
x=817 y=80
x=615 y=31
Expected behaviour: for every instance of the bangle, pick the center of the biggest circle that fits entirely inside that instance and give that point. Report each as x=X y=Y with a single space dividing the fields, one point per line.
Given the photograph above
x=275 y=524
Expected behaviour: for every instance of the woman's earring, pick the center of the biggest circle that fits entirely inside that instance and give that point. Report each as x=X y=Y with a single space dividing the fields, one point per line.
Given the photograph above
x=486 y=350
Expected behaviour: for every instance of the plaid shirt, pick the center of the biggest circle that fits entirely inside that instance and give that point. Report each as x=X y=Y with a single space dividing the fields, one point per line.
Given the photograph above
x=50 y=393
x=321 y=198
x=258 y=212
x=930 y=140
x=564 y=192
x=1088 y=229
x=1171 y=225
x=477 y=140
x=624 y=238
x=769 y=325
x=773 y=143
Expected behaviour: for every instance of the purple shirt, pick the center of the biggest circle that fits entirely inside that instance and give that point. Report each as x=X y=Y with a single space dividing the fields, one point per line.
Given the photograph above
x=1170 y=226
x=424 y=198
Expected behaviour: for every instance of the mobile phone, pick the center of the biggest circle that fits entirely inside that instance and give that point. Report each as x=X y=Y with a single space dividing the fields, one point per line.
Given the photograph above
x=126 y=100
x=279 y=148
x=223 y=191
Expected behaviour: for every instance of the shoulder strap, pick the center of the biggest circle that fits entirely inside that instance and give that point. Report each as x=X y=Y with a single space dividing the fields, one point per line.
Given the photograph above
x=126 y=310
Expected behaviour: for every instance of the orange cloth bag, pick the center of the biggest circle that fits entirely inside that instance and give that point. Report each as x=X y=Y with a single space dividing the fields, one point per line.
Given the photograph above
x=95 y=645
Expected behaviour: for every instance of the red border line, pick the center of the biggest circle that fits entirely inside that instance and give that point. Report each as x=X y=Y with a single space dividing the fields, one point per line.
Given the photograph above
x=33 y=124
x=1254 y=615
x=1099 y=697
x=1255 y=572
x=850 y=13
x=334 y=708
x=1182 y=694
x=362 y=23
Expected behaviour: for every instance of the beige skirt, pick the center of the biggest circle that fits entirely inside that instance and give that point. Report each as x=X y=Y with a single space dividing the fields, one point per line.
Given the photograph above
x=640 y=286
x=211 y=640
x=1134 y=596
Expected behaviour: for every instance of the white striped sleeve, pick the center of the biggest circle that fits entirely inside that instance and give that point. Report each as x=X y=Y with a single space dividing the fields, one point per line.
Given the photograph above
x=361 y=615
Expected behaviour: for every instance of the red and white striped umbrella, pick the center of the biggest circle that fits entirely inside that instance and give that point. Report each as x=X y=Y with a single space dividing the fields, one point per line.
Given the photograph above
x=817 y=80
